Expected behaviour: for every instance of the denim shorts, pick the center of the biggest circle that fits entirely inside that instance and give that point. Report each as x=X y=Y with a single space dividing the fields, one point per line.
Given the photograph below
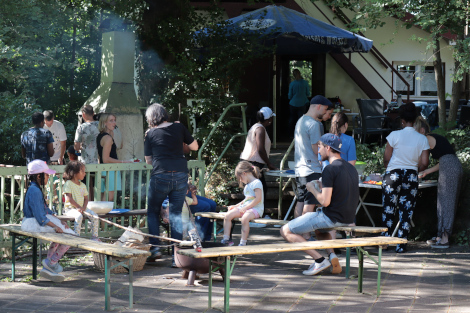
x=303 y=195
x=311 y=221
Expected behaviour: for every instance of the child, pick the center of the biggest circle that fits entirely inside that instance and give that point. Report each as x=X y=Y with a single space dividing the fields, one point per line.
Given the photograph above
x=76 y=197
x=73 y=155
x=39 y=218
x=251 y=207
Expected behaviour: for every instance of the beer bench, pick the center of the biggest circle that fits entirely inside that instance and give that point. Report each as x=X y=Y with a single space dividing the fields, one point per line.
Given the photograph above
x=111 y=251
x=351 y=231
x=229 y=263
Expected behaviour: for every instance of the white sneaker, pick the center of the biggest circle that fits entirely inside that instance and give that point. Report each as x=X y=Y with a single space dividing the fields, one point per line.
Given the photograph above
x=316 y=268
x=52 y=276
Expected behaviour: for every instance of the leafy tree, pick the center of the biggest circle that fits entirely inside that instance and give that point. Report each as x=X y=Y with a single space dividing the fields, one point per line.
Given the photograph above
x=438 y=17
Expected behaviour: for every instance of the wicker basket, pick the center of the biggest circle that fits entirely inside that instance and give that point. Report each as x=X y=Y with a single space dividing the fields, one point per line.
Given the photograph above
x=138 y=263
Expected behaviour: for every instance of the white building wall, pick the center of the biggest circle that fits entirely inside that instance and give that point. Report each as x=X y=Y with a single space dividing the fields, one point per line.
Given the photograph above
x=395 y=45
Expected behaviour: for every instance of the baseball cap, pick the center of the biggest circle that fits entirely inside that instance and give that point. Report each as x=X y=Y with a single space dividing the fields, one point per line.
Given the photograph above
x=39 y=166
x=267 y=112
x=321 y=100
x=332 y=140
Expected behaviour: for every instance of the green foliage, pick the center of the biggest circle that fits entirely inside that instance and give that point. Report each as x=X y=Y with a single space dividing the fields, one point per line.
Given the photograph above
x=16 y=118
x=373 y=156
x=463 y=237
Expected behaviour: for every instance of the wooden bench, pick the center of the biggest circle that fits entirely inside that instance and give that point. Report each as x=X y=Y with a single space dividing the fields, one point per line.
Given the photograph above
x=228 y=252
x=109 y=250
x=351 y=231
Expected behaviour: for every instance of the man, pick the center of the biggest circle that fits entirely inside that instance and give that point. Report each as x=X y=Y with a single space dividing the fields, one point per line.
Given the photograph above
x=85 y=137
x=37 y=142
x=60 y=137
x=308 y=131
x=338 y=194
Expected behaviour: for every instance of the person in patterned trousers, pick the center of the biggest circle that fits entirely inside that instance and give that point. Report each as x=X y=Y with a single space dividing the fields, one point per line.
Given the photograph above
x=406 y=152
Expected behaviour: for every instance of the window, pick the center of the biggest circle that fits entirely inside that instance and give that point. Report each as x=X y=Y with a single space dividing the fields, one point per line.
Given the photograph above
x=420 y=78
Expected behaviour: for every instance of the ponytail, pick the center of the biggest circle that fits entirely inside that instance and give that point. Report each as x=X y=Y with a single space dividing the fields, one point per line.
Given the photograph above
x=339 y=120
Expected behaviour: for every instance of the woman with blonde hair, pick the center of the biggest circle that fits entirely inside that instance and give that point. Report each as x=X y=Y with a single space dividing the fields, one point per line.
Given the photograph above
x=448 y=184
x=107 y=153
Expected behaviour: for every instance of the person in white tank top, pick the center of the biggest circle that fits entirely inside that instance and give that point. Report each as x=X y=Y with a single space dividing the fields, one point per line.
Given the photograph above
x=258 y=144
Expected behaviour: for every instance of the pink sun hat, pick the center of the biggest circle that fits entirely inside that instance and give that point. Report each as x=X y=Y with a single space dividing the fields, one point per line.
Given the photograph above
x=39 y=166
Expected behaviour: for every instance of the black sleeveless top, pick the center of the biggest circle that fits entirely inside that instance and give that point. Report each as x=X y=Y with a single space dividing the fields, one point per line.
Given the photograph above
x=441 y=148
x=112 y=153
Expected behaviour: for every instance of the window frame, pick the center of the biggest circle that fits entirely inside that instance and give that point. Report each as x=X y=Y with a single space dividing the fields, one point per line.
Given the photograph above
x=419 y=69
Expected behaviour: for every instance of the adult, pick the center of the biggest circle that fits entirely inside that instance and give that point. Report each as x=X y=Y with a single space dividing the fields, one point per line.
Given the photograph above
x=85 y=137
x=37 y=142
x=307 y=166
x=338 y=194
x=258 y=144
x=107 y=154
x=163 y=149
x=406 y=152
x=339 y=126
x=448 y=185
x=60 y=137
x=299 y=91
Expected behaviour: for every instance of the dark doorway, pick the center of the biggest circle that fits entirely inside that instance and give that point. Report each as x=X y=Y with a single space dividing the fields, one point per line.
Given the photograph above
x=312 y=68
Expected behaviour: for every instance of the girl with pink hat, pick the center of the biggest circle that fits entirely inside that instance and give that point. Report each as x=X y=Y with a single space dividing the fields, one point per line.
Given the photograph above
x=39 y=218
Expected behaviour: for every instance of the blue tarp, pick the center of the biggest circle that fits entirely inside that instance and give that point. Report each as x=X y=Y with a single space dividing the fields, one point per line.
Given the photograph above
x=296 y=33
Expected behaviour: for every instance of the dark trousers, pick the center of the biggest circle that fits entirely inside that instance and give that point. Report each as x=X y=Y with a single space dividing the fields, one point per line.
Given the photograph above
x=294 y=114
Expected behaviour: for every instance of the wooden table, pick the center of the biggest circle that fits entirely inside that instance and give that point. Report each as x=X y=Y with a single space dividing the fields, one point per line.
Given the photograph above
x=229 y=263
x=74 y=241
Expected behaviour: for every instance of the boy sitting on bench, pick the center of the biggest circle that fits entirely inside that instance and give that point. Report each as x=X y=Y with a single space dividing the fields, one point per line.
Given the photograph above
x=338 y=197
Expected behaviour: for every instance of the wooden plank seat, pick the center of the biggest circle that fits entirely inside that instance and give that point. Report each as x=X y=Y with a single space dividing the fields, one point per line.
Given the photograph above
x=230 y=254
x=351 y=231
x=111 y=251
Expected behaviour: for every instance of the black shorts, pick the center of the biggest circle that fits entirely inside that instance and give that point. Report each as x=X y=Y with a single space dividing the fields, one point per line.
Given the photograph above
x=302 y=194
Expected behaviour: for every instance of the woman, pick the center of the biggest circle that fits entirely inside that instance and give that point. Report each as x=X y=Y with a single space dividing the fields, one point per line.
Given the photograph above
x=163 y=149
x=406 y=152
x=299 y=91
x=258 y=144
x=339 y=126
x=448 y=189
x=107 y=153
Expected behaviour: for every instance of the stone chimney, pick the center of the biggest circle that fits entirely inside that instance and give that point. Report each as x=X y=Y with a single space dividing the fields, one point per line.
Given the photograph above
x=116 y=93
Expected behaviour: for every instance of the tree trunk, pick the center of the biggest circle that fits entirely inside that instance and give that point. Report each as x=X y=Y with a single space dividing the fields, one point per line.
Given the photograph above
x=454 y=102
x=441 y=96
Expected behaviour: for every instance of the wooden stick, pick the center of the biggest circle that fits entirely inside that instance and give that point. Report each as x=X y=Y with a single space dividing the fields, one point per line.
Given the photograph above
x=181 y=242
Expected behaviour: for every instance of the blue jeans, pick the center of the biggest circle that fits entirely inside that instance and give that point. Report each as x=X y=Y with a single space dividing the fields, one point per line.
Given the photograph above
x=203 y=224
x=171 y=184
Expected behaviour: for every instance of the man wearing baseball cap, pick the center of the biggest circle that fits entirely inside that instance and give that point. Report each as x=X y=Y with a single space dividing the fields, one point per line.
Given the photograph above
x=338 y=194
x=308 y=131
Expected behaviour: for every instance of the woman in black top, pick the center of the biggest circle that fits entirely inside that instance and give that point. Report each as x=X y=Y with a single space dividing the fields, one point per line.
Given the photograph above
x=448 y=188
x=107 y=153
x=163 y=147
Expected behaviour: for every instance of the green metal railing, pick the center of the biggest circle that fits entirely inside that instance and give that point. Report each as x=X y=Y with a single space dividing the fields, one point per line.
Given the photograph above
x=133 y=195
x=281 y=190
x=206 y=142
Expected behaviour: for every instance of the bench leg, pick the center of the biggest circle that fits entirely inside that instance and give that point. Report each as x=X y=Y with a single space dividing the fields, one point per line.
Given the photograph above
x=35 y=258
x=210 y=285
x=360 y=257
x=131 y=283
x=348 y=261
x=379 y=270
x=107 y=282
x=214 y=223
x=13 y=255
x=228 y=273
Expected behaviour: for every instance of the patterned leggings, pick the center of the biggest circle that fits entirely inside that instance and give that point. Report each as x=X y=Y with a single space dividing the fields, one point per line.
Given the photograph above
x=400 y=187
x=94 y=222
x=56 y=252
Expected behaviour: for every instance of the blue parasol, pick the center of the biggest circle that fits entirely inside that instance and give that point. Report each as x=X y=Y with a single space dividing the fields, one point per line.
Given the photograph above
x=295 y=33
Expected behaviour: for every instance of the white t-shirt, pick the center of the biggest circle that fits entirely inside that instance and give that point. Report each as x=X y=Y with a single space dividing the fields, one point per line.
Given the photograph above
x=58 y=133
x=407 y=146
x=249 y=193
